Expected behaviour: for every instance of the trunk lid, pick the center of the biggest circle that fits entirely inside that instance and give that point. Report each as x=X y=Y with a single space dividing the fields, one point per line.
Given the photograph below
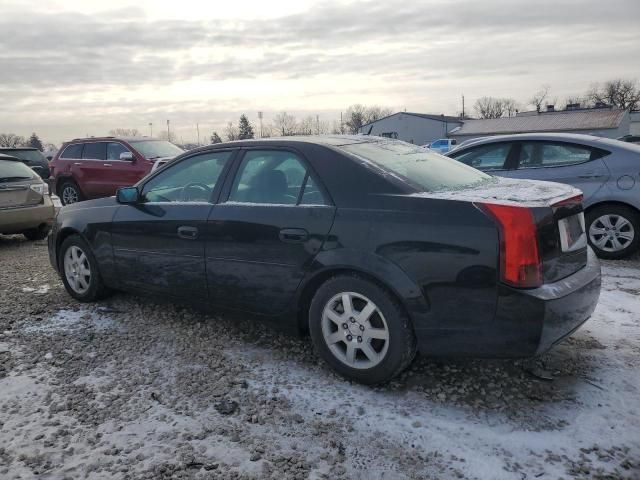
x=15 y=185
x=557 y=213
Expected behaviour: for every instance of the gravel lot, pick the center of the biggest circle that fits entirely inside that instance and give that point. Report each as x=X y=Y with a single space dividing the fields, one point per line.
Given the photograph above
x=128 y=388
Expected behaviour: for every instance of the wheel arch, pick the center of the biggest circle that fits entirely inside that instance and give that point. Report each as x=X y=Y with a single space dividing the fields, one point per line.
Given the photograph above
x=617 y=203
x=66 y=178
x=311 y=285
x=62 y=235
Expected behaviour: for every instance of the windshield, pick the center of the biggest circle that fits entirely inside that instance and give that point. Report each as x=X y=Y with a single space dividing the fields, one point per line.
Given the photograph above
x=156 y=148
x=31 y=155
x=425 y=170
x=12 y=170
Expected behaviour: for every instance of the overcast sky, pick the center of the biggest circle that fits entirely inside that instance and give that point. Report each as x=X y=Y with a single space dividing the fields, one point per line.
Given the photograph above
x=71 y=68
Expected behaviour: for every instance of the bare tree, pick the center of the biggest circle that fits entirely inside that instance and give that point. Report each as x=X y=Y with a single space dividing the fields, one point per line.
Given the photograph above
x=490 y=107
x=356 y=118
x=11 y=140
x=541 y=97
x=510 y=107
x=575 y=99
x=376 y=112
x=231 y=131
x=170 y=137
x=124 y=132
x=284 y=124
x=621 y=93
x=307 y=126
x=338 y=128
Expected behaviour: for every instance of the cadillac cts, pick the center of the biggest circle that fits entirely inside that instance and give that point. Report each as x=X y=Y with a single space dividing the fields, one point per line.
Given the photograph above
x=376 y=247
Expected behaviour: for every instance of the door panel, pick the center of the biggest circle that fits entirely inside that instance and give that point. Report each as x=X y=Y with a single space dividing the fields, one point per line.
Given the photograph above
x=257 y=254
x=563 y=163
x=123 y=173
x=91 y=171
x=151 y=253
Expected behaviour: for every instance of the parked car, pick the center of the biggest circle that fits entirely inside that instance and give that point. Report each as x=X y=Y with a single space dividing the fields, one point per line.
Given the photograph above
x=442 y=145
x=88 y=168
x=607 y=171
x=376 y=246
x=32 y=157
x=25 y=205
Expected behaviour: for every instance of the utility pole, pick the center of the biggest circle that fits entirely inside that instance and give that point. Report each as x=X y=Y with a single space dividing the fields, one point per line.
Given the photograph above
x=168 y=132
x=151 y=129
x=260 y=118
x=463 y=107
x=198 y=129
x=341 y=124
x=317 y=124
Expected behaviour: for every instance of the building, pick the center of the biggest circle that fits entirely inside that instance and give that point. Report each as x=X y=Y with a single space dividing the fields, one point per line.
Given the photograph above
x=604 y=122
x=418 y=128
x=634 y=128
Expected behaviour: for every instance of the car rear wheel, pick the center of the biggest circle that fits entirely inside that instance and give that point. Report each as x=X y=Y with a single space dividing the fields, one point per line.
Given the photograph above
x=36 y=233
x=613 y=230
x=70 y=193
x=79 y=270
x=361 y=330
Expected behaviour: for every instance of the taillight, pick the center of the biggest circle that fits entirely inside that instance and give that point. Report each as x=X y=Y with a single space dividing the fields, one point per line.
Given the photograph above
x=520 y=264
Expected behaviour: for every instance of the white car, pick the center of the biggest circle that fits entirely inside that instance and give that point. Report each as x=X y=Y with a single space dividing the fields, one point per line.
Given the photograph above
x=442 y=145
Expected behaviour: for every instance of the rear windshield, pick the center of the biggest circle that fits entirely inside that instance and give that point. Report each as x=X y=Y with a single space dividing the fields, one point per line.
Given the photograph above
x=13 y=170
x=151 y=149
x=31 y=155
x=425 y=170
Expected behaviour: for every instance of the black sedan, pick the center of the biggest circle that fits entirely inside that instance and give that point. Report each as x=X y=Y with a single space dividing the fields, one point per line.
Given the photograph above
x=376 y=247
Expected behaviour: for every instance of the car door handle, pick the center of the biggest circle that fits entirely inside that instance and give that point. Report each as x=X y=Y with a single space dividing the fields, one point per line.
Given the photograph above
x=293 y=235
x=77 y=163
x=188 y=233
x=106 y=164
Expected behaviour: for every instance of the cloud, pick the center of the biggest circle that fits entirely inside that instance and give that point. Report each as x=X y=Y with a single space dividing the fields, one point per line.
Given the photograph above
x=408 y=51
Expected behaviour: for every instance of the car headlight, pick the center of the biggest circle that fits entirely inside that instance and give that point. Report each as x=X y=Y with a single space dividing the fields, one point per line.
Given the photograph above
x=41 y=188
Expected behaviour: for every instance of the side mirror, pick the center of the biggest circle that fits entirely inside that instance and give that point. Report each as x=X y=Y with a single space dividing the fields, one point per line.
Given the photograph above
x=128 y=195
x=126 y=156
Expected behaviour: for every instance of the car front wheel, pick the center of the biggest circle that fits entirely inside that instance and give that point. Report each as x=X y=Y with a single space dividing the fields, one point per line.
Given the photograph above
x=79 y=270
x=361 y=330
x=613 y=230
x=70 y=193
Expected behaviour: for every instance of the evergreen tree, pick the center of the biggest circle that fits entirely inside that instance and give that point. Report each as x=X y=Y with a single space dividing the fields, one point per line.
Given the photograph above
x=245 y=129
x=215 y=138
x=34 y=142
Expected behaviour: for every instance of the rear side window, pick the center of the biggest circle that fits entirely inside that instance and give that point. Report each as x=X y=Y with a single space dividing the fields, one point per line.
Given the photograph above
x=485 y=157
x=29 y=155
x=542 y=154
x=12 y=170
x=73 y=151
x=425 y=170
x=95 y=151
x=274 y=177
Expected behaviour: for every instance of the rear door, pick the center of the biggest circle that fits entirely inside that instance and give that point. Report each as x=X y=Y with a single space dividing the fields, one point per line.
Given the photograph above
x=577 y=165
x=70 y=157
x=265 y=234
x=91 y=172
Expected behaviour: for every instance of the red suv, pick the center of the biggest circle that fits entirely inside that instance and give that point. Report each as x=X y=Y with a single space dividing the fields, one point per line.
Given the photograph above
x=87 y=168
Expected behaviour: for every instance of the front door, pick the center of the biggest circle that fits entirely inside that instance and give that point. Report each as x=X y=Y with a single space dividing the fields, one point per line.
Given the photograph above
x=264 y=236
x=158 y=244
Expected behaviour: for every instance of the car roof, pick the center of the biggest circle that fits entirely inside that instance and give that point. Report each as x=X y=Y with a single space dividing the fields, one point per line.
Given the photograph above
x=9 y=157
x=110 y=138
x=591 y=140
x=13 y=149
x=327 y=140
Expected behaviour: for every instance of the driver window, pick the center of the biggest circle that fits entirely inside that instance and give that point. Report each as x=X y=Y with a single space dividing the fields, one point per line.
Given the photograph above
x=191 y=180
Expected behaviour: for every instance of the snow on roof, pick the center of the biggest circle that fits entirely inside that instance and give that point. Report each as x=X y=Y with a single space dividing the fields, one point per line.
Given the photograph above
x=545 y=122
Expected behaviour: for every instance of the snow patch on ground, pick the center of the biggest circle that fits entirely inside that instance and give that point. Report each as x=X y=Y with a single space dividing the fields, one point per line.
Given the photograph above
x=72 y=320
x=41 y=290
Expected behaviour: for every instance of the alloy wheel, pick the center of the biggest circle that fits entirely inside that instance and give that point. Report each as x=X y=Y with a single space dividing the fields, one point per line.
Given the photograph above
x=355 y=330
x=611 y=233
x=77 y=269
x=69 y=195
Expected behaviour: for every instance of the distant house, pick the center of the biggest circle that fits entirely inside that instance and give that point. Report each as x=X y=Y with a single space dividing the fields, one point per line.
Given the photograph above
x=634 y=129
x=418 y=128
x=604 y=122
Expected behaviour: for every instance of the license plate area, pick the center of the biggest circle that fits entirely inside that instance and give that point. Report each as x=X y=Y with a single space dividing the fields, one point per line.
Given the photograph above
x=572 y=233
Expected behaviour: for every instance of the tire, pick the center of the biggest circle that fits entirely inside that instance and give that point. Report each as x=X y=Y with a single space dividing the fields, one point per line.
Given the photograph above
x=326 y=315
x=69 y=192
x=91 y=287
x=613 y=231
x=36 y=233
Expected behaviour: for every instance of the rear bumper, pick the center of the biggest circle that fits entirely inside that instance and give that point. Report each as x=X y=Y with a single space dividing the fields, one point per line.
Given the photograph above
x=526 y=322
x=16 y=220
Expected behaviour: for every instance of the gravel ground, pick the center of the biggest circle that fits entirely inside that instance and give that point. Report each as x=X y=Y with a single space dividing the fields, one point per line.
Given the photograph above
x=128 y=388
